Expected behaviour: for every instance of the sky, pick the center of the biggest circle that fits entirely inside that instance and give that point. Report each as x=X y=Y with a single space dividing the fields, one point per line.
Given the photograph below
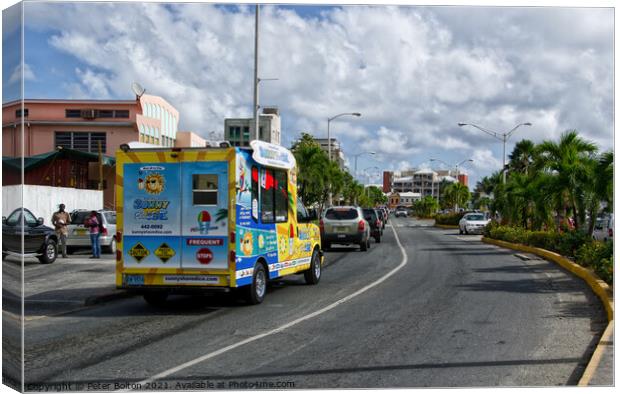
x=413 y=72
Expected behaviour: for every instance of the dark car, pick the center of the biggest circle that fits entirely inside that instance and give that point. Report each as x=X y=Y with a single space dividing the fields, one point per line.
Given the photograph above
x=386 y=215
x=39 y=240
x=372 y=216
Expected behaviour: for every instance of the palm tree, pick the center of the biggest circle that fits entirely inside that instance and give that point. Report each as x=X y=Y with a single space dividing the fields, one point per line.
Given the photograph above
x=568 y=162
x=522 y=156
x=457 y=194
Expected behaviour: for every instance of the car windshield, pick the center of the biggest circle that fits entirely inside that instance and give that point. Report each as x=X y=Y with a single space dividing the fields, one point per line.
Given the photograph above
x=341 y=214
x=475 y=217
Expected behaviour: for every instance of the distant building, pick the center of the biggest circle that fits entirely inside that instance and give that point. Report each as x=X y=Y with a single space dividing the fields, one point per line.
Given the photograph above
x=189 y=139
x=388 y=177
x=41 y=126
x=393 y=200
x=237 y=131
x=336 y=148
x=408 y=198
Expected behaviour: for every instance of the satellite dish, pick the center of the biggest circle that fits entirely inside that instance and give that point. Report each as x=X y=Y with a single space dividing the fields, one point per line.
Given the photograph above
x=137 y=89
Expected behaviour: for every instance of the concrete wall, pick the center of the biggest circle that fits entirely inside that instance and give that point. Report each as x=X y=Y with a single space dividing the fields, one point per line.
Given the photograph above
x=43 y=201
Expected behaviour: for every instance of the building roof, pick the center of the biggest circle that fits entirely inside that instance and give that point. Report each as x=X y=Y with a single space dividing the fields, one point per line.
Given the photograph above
x=449 y=179
x=44 y=158
x=410 y=194
x=425 y=172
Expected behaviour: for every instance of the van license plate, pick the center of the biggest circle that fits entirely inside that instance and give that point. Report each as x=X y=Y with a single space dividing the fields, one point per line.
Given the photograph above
x=134 y=280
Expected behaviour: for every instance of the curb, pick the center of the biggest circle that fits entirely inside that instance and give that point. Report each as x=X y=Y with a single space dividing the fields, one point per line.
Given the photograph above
x=447 y=226
x=598 y=286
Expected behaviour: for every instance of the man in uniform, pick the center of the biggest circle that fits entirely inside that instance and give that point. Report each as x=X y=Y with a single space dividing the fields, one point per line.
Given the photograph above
x=60 y=220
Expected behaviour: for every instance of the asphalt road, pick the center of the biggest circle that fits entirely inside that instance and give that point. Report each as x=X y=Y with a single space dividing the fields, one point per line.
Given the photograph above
x=454 y=312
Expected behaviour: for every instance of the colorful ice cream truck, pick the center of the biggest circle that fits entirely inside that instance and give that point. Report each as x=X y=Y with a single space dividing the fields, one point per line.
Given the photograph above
x=207 y=219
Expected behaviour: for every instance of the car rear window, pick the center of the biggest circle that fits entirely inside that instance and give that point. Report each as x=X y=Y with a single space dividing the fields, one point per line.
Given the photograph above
x=475 y=217
x=370 y=213
x=341 y=214
x=79 y=217
x=110 y=217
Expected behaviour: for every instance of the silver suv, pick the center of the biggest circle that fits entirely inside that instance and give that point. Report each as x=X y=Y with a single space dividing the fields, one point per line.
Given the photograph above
x=79 y=237
x=345 y=226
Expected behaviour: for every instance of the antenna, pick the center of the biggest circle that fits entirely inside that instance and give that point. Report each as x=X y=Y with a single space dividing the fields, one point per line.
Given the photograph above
x=137 y=89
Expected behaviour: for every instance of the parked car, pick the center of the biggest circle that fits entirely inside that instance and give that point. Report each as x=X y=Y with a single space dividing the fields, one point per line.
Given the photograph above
x=385 y=215
x=40 y=241
x=345 y=226
x=79 y=236
x=372 y=216
x=473 y=223
x=401 y=212
x=604 y=229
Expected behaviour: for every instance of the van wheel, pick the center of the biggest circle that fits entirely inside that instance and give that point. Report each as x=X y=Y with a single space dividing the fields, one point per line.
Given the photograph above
x=255 y=293
x=313 y=274
x=156 y=298
x=364 y=246
x=50 y=252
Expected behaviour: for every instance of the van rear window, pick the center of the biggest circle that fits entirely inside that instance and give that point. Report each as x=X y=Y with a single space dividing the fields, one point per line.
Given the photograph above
x=341 y=214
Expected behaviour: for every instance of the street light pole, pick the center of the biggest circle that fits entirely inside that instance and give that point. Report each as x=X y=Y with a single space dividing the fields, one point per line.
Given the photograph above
x=256 y=119
x=329 y=142
x=456 y=168
x=358 y=155
x=500 y=136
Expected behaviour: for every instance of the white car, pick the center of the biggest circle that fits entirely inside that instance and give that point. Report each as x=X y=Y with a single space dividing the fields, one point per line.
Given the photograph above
x=473 y=223
x=604 y=229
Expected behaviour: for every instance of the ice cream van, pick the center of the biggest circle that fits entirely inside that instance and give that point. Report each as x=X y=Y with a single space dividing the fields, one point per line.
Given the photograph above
x=211 y=219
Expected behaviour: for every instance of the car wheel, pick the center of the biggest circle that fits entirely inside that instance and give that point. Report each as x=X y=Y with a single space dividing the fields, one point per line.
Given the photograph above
x=50 y=252
x=378 y=239
x=112 y=247
x=156 y=298
x=313 y=274
x=255 y=293
x=363 y=246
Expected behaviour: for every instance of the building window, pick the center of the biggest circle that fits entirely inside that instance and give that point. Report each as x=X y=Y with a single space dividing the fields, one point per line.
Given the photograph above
x=260 y=134
x=83 y=141
x=73 y=113
x=18 y=113
x=121 y=113
x=234 y=132
x=204 y=189
x=274 y=196
x=246 y=133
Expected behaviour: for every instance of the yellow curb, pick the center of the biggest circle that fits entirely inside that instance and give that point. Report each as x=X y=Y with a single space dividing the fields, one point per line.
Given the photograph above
x=603 y=346
x=600 y=288
x=446 y=226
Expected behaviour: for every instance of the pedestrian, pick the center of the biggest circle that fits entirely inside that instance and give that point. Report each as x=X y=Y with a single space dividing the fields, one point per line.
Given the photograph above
x=93 y=223
x=60 y=220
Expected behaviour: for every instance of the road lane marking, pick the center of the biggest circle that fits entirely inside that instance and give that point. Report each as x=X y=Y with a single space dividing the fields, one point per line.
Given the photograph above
x=329 y=307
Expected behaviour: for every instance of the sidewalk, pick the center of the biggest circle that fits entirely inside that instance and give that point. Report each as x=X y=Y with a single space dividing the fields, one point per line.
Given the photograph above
x=65 y=285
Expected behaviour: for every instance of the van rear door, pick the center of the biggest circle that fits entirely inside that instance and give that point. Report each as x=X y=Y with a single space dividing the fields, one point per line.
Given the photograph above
x=204 y=227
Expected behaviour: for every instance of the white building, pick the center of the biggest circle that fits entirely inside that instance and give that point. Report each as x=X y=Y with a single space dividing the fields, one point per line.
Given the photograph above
x=337 y=153
x=237 y=131
x=408 y=198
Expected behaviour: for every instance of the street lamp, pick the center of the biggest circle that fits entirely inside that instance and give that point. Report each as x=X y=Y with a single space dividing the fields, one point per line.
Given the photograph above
x=368 y=175
x=359 y=154
x=500 y=136
x=329 y=142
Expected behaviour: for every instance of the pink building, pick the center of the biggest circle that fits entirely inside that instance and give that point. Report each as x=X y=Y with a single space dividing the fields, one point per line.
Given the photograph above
x=188 y=139
x=41 y=126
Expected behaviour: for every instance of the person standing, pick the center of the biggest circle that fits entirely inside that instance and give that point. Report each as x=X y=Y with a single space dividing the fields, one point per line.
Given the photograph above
x=93 y=227
x=60 y=220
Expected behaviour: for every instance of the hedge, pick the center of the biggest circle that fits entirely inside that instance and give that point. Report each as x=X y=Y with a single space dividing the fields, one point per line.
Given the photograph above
x=449 y=218
x=576 y=245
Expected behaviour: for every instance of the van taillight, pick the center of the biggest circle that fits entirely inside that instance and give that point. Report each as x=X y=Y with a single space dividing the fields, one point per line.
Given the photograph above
x=232 y=237
x=361 y=226
x=119 y=236
x=105 y=231
x=119 y=255
x=232 y=256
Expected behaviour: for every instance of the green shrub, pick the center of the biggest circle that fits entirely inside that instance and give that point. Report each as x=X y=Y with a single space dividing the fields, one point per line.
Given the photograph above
x=570 y=241
x=449 y=218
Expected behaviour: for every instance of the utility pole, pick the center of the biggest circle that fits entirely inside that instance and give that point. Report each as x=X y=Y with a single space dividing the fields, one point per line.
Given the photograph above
x=254 y=134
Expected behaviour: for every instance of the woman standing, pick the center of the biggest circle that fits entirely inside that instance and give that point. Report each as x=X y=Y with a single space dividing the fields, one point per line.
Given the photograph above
x=93 y=226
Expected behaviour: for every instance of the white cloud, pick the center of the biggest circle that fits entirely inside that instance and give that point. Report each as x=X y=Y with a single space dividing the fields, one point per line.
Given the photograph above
x=17 y=75
x=413 y=72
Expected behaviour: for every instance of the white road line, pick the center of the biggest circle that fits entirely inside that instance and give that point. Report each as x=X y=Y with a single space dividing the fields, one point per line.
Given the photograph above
x=205 y=357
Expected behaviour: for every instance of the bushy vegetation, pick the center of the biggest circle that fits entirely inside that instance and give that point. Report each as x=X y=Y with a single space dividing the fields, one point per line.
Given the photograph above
x=450 y=219
x=575 y=244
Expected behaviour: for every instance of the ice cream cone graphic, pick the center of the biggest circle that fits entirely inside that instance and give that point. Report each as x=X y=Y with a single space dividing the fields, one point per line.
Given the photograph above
x=204 y=222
